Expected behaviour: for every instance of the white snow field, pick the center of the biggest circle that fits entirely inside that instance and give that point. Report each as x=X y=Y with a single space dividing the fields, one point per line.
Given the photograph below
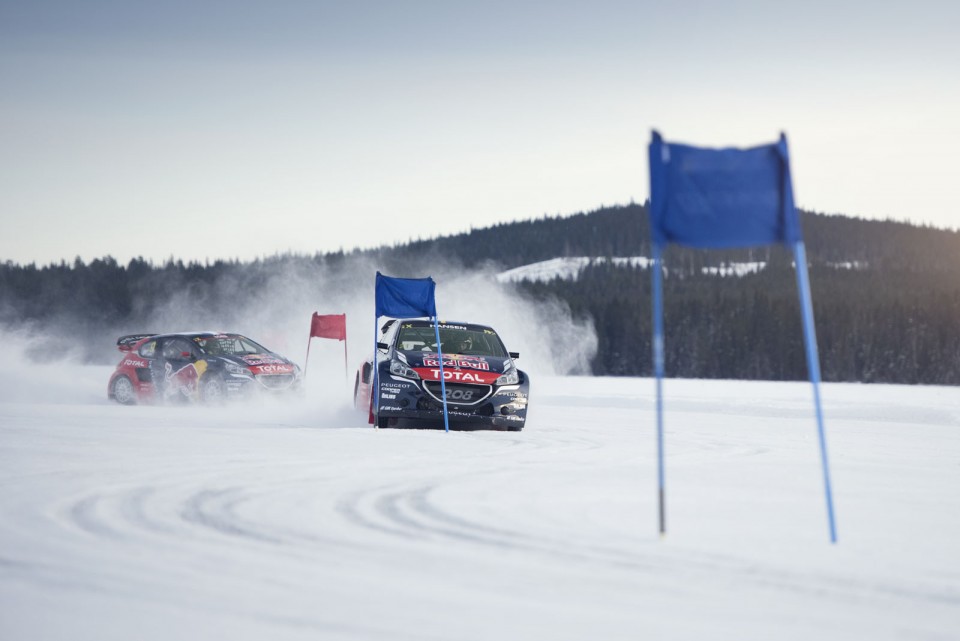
x=298 y=521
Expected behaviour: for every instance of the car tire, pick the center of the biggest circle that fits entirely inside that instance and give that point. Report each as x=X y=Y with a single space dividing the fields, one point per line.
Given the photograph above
x=212 y=390
x=123 y=391
x=515 y=428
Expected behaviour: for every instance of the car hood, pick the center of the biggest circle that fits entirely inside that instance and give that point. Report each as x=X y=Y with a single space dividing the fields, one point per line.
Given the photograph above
x=458 y=367
x=262 y=363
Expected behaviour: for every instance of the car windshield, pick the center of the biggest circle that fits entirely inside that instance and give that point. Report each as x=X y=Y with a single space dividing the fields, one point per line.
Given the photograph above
x=229 y=345
x=453 y=340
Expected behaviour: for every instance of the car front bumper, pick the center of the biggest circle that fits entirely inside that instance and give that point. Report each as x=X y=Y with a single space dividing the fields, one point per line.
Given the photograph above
x=503 y=407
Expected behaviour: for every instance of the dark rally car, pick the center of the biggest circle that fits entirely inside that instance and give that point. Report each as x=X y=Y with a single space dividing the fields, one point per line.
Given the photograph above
x=197 y=366
x=484 y=388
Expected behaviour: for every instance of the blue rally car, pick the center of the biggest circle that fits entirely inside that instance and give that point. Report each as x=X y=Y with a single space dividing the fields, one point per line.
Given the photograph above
x=484 y=388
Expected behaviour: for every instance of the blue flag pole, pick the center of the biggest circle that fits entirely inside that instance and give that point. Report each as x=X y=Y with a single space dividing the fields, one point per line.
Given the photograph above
x=443 y=385
x=658 y=369
x=375 y=390
x=813 y=366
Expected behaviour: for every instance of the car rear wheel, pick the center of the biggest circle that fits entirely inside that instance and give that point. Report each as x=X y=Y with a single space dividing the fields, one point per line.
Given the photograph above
x=123 y=391
x=212 y=390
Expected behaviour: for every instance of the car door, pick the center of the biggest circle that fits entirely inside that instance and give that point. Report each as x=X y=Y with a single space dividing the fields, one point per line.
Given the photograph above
x=174 y=373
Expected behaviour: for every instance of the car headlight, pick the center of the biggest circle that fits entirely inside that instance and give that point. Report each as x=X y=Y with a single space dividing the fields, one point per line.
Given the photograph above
x=511 y=375
x=237 y=370
x=402 y=369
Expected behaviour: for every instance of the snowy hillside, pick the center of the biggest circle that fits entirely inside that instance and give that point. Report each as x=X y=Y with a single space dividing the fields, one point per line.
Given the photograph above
x=565 y=268
x=300 y=522
x=569 y=268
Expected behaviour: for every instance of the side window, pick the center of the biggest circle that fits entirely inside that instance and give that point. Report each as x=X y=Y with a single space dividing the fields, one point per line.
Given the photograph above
x=174 y=350
x=148 y=349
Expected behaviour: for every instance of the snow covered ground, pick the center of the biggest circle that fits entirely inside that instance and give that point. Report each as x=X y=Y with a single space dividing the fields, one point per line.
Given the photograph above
x=298 y=521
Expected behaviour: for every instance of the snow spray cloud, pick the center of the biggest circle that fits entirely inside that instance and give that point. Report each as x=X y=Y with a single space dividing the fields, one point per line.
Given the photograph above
x=63 y=380
x=276 y=311
x=550 y=341
x=272 y=302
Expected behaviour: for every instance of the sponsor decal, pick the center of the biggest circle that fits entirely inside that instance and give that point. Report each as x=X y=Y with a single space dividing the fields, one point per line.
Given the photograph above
x=457 y=360
x=390 y=408
x=456 y=375
x=262 y=360
x=460 y=394
x=393 y=386
x=184 y=380
x=135 y=363
x=272 y=369
x=446 y=326
x=388 y=396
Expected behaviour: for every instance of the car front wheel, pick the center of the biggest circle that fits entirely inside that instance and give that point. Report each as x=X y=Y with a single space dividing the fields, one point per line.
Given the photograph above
x=123 y=391
x=212 y=390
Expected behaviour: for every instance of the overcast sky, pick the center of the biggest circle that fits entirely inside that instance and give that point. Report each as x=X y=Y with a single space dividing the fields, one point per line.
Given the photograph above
x=241 y=129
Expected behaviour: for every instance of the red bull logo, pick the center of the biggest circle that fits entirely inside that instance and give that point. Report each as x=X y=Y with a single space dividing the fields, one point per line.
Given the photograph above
x=457 y=360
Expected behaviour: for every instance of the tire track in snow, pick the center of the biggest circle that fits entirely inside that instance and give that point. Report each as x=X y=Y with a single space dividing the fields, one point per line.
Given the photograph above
x=215 y=509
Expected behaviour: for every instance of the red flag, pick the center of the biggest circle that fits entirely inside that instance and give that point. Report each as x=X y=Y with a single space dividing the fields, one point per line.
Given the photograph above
x=329 y=326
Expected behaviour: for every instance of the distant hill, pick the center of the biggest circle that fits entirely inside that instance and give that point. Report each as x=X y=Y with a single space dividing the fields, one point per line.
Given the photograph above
x=886 y=294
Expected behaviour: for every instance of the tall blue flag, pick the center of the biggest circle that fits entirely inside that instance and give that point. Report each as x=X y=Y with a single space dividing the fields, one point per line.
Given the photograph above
x=722 y=198
x=404 y=297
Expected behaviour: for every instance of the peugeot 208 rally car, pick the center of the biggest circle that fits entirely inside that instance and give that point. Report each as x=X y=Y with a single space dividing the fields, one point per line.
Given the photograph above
x=197 y=366
x=484 y=388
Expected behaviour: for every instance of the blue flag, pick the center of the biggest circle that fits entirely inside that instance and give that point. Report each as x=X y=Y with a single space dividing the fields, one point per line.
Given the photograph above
x=403 y=297
x=721 y=198
x=399 y=298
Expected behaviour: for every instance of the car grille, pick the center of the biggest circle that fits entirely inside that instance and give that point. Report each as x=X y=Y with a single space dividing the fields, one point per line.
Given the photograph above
x=276 y=381
x=459 y=393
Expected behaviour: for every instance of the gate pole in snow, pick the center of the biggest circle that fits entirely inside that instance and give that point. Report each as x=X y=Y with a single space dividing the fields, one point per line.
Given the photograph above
x=374 y=400
x=658 y=369
x=443 y=385
x=813 y=366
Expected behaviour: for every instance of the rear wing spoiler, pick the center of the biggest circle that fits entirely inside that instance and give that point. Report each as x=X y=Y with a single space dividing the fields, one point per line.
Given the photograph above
x=126 y=343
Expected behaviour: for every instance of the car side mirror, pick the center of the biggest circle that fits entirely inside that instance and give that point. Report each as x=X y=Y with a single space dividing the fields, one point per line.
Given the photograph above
x=514 y=354
x=383 y=346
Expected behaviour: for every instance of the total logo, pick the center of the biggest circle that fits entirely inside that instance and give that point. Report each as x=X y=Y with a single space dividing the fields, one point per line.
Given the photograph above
x=275 y=369
x=458 y=375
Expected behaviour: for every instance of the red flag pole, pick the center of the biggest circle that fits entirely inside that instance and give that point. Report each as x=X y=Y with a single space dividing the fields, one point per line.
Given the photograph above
x=307 y=360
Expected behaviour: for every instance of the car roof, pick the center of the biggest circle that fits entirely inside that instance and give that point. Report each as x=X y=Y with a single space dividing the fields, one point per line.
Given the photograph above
x=197 y=334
